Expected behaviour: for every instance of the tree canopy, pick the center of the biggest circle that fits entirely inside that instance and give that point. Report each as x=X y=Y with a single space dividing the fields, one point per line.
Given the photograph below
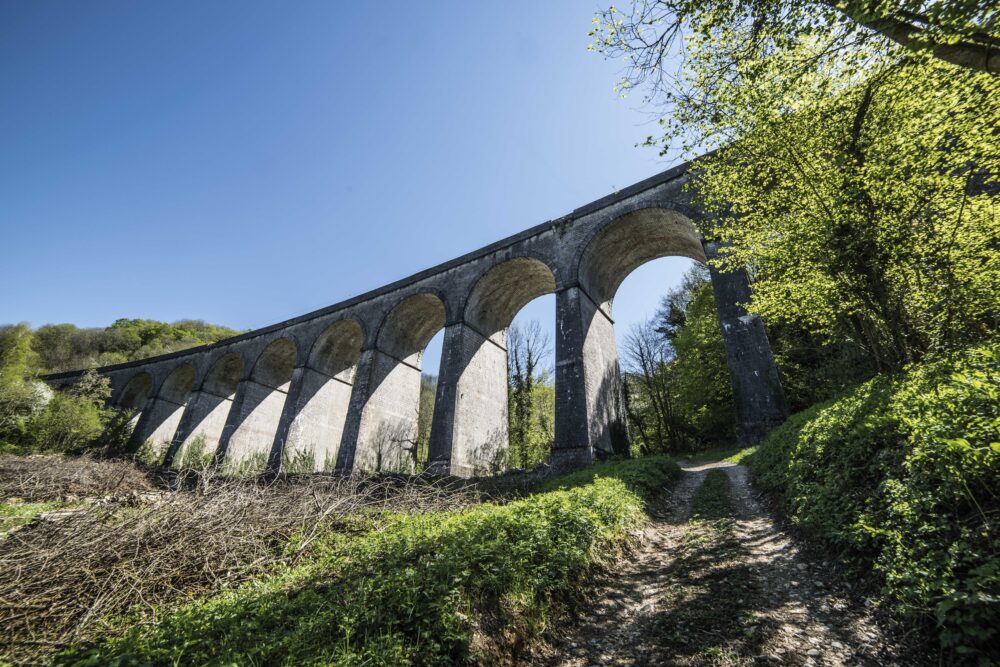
x=856 y=177
x=65 y=347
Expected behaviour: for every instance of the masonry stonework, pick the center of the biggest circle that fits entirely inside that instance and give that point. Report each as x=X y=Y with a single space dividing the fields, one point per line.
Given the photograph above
x=339 y=387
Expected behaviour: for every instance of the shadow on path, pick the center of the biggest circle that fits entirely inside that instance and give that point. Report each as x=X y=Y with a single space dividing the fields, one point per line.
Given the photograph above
x=715 y=582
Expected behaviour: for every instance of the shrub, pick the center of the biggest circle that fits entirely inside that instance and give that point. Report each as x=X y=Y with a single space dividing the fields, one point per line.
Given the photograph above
x=72 y=419
x=903 y=475
x=415 y=587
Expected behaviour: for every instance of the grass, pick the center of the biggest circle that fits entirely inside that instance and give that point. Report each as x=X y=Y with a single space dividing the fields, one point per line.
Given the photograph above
x=432 y=588
x=141 y=550
x=899 y=479
x=729 y=453
x=15 y=515
x=711 y=501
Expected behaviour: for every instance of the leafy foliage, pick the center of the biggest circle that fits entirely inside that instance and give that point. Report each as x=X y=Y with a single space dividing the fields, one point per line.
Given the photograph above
x=903 y=474
x=416 y=587
x=678 y=387
x=531 y=397
x=34 y=418
x=65 y=347
x=857 y=178
x=425 y=415
x=74 y=419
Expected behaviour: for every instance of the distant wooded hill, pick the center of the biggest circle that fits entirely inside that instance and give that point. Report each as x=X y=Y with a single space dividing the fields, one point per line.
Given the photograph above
x=66 y=347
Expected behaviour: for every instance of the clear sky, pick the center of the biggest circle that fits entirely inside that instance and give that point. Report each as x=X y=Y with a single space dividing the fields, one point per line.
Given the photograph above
x=246 y=162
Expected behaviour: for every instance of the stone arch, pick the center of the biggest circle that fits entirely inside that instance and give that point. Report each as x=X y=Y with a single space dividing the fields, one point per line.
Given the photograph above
x=134 y=396
x=470 y=422
x=503 y=290
x=336 y=351
x=135 y=392
x=163 y=414
x=223 y=376
x=273 y=367
x=323 y=398
x=629 y=241
x=204 y=420
x=590 y=417
x=258 y=406
x=177 y=385
x=410 y=325
x=387 y=430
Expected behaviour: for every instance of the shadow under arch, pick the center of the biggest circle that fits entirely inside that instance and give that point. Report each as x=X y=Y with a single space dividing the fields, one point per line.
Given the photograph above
x=162 y=417
x=204 y=419
x=388 y=421
x=629 y=241
x=469 y=434
x=590 y=419
x=134 y=396
x=257 y=407
x=322 y=399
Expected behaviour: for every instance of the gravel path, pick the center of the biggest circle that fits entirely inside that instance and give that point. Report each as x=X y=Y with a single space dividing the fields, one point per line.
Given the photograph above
x=726 y=589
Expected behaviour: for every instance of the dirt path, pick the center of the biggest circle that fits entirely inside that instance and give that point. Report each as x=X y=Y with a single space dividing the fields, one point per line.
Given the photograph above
x=715 y=582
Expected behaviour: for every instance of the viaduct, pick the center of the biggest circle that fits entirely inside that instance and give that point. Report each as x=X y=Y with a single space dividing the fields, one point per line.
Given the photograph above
x=342 y=384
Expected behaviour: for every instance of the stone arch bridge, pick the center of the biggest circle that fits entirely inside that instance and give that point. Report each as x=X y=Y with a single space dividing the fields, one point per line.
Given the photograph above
x=341 y=384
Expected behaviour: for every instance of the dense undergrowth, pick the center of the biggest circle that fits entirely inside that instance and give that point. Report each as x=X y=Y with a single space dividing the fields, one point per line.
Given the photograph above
x=903 y=475
x=421 y=587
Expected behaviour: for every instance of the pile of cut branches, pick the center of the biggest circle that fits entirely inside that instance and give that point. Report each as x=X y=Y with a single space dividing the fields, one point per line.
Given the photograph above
x=41 y=477
x=78 y=575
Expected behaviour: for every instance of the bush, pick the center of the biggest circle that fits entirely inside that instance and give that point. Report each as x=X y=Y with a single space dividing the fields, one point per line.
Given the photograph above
x=415 y=587
x=73 y=419
x=903 y=475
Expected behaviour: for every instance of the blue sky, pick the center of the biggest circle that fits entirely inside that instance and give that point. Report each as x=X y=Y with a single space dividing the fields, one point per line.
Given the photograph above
x=247 y=162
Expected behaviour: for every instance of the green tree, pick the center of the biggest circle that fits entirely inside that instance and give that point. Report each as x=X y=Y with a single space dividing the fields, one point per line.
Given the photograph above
x=73 y=419
x=703 y=387
x=65 y=347
x=854 y=177
x=428 y=394
x=678 y=387
x=21 y=395
x=531 y=397
x=649 y=387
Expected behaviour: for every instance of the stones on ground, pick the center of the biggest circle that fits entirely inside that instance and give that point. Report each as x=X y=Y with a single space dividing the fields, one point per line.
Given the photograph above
x=725 y=592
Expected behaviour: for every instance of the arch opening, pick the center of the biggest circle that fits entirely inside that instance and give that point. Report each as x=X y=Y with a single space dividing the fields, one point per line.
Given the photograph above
x=389 y=425
x=205 y=419
x=504 y=290
x=630 y=241
x=136 y=392
x=134 y=397
x=314 y=436
x=474 y=419
x=612 y=256
x=263 y=400
x=157 y=427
